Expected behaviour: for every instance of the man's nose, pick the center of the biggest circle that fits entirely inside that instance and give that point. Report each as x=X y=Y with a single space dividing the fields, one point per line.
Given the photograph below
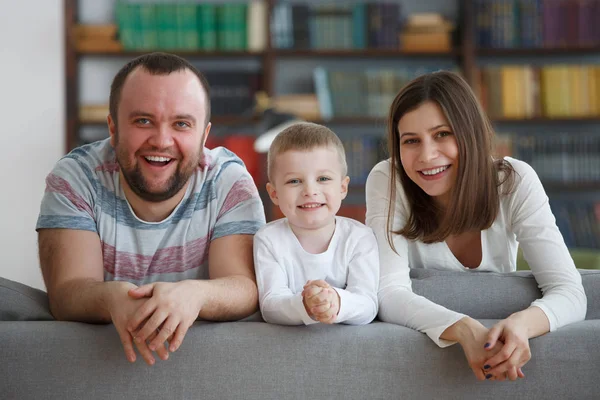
x=161 y=137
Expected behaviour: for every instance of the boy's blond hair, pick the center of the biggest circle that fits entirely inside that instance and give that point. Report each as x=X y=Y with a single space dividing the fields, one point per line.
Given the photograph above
x=305 y=136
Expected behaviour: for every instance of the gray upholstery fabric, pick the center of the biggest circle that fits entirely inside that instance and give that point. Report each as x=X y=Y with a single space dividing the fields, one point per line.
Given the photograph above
x=253 y=360
x=19 y=302
x=491 y=295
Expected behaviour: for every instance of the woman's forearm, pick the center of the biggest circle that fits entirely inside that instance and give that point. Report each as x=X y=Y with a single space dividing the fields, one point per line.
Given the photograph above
x=534 y=319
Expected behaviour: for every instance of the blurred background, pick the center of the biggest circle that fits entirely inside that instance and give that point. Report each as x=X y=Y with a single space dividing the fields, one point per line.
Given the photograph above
x=534 y=64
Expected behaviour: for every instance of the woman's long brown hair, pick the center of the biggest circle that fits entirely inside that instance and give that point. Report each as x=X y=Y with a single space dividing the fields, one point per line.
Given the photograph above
x=475 y=197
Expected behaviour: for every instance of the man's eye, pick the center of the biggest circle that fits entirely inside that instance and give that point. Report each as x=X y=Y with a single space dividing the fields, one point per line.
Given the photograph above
x=182 y=124
x=142 y=121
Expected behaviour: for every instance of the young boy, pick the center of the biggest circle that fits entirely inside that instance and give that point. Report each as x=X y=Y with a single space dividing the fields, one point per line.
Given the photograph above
x=313 y=266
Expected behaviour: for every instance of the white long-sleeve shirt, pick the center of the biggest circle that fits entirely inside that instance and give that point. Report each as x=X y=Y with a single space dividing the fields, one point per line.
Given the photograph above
x=350 y=265
x=524 y=219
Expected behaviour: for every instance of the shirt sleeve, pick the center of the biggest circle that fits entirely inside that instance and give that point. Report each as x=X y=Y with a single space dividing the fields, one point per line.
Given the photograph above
x=239 y=207
x=278 y=304
x=564 y=300
x=68 y=200
x=398 y=304
x=358 y=301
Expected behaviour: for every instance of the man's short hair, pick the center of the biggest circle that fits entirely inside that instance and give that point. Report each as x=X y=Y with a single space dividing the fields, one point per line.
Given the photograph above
x=156 y=64
x=305 y=136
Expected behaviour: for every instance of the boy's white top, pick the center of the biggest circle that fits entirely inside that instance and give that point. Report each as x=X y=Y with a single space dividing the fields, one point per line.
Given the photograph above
x=524 y=219
x=350 y=265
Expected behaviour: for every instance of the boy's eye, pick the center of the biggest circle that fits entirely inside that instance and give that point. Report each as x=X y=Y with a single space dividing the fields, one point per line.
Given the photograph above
x=293 y=181
x=324 y=179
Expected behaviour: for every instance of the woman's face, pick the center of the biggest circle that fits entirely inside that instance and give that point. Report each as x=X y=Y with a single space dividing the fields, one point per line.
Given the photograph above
x=429 y=151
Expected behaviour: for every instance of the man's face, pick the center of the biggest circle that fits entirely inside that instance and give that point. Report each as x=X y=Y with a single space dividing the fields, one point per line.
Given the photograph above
x=160 y=132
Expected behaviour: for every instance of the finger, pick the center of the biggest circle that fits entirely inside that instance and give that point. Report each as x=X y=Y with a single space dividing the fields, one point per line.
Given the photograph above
x=321 y=309
x=493 y=336
x=479 y=374
x=503 y=355
x=166 y=330
x=520 y=373
x=145 y=352
x=311 y=291
x=321 y=283
x=512 y=374
x=141 y=315
x=153 y=323
x=178 y=337
x=161 y=350
x=142 y=291
x=308 y=283
x=127 y=342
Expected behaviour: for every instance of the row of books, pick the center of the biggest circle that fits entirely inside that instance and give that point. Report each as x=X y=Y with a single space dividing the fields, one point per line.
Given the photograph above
x=233 y=92
x=561 y=157
x=578 y=222
x=537 y=23
x=335 y=25
x=526 y=91
x=360 y=93
x=192 y=26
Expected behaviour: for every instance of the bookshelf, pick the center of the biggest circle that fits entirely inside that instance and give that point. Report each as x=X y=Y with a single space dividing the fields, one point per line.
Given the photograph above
x=467 y=54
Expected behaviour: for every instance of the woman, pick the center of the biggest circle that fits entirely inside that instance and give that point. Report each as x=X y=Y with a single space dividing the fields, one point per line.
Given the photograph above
x=442 y=201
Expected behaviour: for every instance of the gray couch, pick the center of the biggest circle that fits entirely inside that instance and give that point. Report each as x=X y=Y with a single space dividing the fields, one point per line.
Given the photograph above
x=45 y=359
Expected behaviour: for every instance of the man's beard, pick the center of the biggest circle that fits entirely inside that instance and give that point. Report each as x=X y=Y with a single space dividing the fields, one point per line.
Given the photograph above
x=138 y=184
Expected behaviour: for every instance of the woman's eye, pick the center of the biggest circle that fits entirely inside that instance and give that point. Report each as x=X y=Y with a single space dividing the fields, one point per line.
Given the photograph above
x=410 y=141
x=444 y=134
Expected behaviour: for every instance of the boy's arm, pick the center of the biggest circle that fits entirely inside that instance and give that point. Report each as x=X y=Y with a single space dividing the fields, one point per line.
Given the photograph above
x=278 y=304
x=358 y=302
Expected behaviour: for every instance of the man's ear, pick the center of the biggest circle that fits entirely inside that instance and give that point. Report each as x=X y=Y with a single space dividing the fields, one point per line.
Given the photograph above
x=345 y=183
x=272 y=193
x=206 y=132
x=112 y=130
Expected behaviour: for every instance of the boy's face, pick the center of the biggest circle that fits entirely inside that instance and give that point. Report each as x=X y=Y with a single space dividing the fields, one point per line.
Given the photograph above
x=308 y=186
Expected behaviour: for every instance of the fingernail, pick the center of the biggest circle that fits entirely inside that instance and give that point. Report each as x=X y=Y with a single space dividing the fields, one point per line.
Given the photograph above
x=486 y=367
x=488 y=376
x=152 y=347
x=486 y=345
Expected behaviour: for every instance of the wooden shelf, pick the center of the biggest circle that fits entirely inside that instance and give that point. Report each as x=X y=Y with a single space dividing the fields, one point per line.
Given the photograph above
x=539 y=120
x=539 y=51
x=366 y=53
x=183 y=53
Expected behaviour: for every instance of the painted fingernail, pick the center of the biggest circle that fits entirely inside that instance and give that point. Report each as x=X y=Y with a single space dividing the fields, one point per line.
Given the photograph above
x=486 y=345
x=488 y=376
x=486 y=367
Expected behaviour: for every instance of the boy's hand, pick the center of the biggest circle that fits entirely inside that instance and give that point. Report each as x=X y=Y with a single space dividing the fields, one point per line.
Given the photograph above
x=321 y=301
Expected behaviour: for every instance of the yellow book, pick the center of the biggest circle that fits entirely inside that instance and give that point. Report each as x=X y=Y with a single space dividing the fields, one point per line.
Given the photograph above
x=592 y=97
x=574 y=106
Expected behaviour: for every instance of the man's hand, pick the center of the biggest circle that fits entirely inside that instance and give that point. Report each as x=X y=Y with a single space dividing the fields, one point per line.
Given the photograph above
x=122 y=308
x=167 y=315
x=322 y=302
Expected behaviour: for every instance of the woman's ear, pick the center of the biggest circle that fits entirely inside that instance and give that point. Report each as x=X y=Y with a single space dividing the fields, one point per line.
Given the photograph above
x=272 y=193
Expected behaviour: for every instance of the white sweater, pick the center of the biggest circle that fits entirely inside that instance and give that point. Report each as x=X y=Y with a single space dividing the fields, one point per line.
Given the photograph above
x=350 y=265
x=524 y=219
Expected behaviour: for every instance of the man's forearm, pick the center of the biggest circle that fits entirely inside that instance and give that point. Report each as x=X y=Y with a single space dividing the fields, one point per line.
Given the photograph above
x=227 y=299
x=83 y=300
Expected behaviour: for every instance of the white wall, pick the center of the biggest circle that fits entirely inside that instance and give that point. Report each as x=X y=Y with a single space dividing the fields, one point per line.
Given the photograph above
x=32 y=128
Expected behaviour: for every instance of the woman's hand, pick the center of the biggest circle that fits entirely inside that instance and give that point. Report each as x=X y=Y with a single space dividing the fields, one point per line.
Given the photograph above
x=514 y=353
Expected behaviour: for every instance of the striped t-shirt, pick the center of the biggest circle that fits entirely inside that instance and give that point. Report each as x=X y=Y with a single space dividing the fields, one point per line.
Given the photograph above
x=83 y=192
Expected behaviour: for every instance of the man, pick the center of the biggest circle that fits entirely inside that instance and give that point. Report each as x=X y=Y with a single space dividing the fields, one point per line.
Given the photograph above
x=148 y=229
